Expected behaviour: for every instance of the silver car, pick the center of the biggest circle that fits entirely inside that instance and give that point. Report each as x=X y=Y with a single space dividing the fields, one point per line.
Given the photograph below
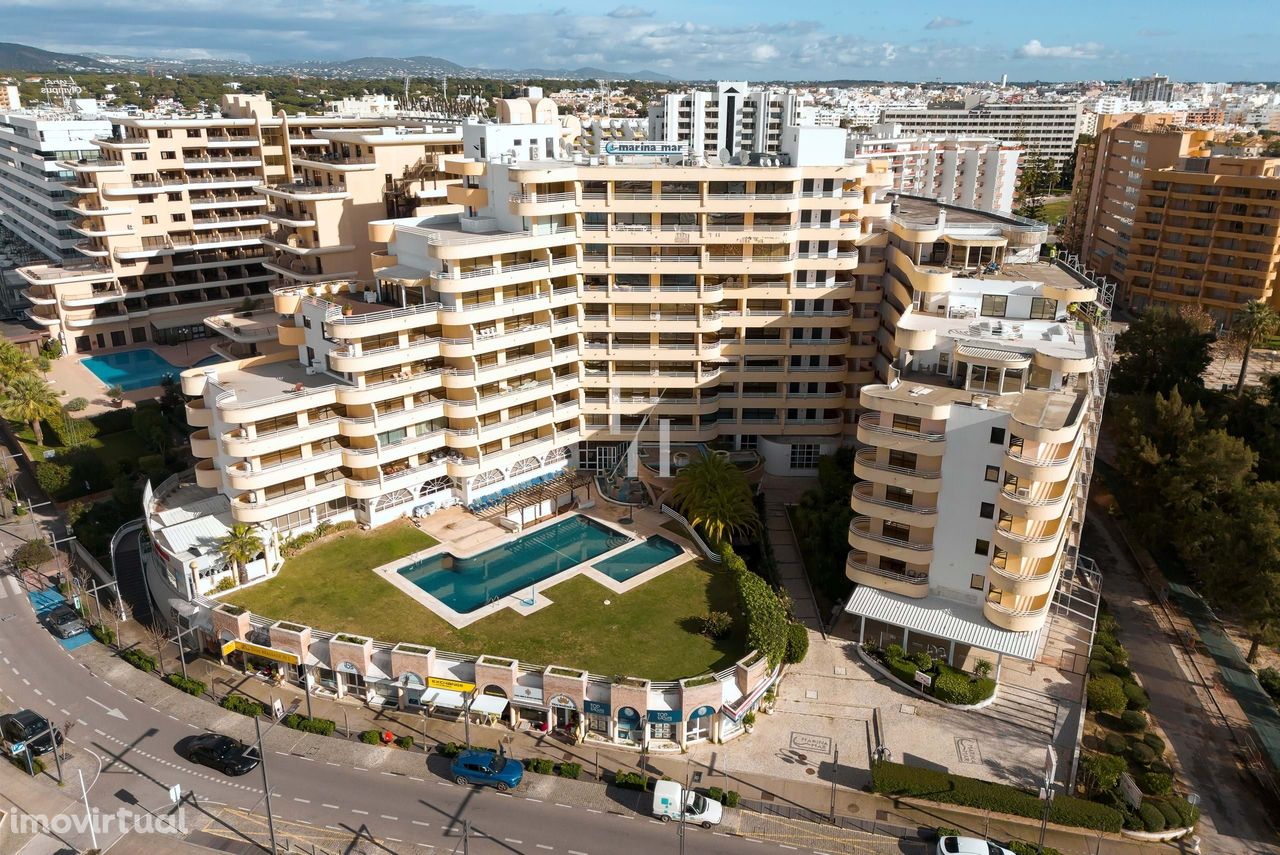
x=65 y=622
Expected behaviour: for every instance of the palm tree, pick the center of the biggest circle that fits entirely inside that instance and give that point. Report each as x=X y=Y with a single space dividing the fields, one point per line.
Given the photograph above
x=13 y=363
x=1255 y=322
x=29 y=399
x=714 y=495
x=240 y=546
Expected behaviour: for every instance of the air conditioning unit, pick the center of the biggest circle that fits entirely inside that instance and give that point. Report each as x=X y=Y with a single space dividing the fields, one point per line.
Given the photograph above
x=312 y=370
x=1023 y=492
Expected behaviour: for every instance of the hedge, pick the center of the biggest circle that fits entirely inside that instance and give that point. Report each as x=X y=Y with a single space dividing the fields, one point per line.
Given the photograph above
x=450 y=749
x=569 y=770
x=1106 y=694
x=244 y=706
x=768 y=626
x=1136 y=696
x=1102 y=771
x=405 y=742
x=1115 y=743
x=1133 y=720
x=896 y=779
x=104 y=634
x=371 y=737
x=1021 y=847
x=297 y=721
x=1142 y=754
x=539 y=765
x=1155 y=783
x=728 y=798
x=1188 y=814
x=630 y=780
x=139 y=660
x=1156 y=743
x=191 y=687
x=1152 y=819
x=797 y=643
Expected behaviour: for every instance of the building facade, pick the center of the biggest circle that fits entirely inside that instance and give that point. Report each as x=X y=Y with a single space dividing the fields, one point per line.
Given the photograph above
x=736 y=118
x=1044 y=128
x=1154 y=88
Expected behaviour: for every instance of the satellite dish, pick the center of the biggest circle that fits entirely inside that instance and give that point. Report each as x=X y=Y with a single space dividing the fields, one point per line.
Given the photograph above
x=725 y=155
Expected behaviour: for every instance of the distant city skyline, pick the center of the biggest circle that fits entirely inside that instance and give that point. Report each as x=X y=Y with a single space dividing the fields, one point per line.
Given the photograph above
x=749 y=39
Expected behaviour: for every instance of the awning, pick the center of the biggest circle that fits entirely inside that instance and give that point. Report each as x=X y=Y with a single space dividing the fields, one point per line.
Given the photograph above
x=963 y=240
x=943 y=618
x=991 y=355
x=735 y=712
x=489 y=705
x=442 y=698
x=401 y=273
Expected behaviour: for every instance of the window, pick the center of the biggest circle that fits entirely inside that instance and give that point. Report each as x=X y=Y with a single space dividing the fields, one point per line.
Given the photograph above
x=997 y=436
x=987 y=510
x=902 y=459
x=977 y=581
x=805 y=455
x=993 y=474
x=193 y=132
x=148 y=219
x=901 y=495
x=1043 y=309
x=168 y=155
x=944 y=363
x=983 y=378
x=896 y=531
x=139 y=155
x=994 y=305
x=306 y=322
x=1012 y=381
x=910 y=424
x=174 y=197
x=178 y=218
x=981 y=547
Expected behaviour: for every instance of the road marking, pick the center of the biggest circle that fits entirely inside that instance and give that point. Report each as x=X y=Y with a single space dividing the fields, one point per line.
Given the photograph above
x=513 y=841
x=361 y=812
x=37 y=691
x=414 y=778
x=283 y=753
x=392 y=818
x=529 y=799
x=576 y=852
x=330 y=807
x=655 y=822
x=303 y=801
x=544 y=846
x=15 y=671
x=26 y=682
x=360 y=769
x=421 y=823
x=82 y=722
x=114 y=713
x=331 y=763
x=592 y=810
x=63 y=710
x=394 y=839
x=558 y=804
x=785 y=846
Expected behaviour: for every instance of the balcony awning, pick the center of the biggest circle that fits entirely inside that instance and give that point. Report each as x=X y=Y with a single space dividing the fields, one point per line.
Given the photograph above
x=975 y=240
x=959 y=622
x=992 y=356
x=401 y=273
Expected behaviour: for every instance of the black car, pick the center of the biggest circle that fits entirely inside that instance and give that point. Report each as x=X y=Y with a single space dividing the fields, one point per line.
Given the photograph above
x=64 y=621
x=227 y=755
x=31 y=729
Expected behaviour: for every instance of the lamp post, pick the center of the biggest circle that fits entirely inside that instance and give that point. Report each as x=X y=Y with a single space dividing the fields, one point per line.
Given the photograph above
x=266 y=787
x=1046 y=793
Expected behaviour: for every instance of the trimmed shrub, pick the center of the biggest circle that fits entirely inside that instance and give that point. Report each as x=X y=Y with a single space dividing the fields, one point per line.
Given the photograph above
x=1152 y=818
x=1101 y=771
x=1156 y=743
x=570 y=770
x=371 y=737
x=1172 y=819
x=1154 y=783
x=1021 y=847
x=71 y=431
x=630 y=780
x=1098 y=668
x=244 y=706
x=191 y=687
x=797 y=644
x=715 y=794
x=139 y=660
x=103 y=634
x=1134 y=721
x=732 y=798
x=923 y=660
x=452 y=749
x=951 y=688
x=405 y=742
x=112 y=421
x=716 y=624
x=1106 y=694
x=1121 y=670
x=297 y=721
x=1136 y=697
x=1114 y=743
x=1270 y=680
x=904 y=670
x=767 y=618
x=1142 y=754
x=540 y=765
x=52 y=477
x=1188 y=814
x=895 y=779
x=895 y=651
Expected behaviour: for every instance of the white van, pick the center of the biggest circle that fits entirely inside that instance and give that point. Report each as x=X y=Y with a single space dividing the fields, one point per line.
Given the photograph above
x=668 y=796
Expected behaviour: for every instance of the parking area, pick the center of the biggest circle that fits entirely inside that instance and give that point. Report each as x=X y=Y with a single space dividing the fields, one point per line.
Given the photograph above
x=46 y=601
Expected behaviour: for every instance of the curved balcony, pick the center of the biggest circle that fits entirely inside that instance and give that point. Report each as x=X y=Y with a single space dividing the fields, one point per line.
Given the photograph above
x=858 y=569
x=898 y=399
x=291 y=335
x=1030 y=422
x=208 y=475
x=923 y=278
x=1023 y=578
x=113 y=294
x=913 y=231
x=86 y=247
x=867 y=468
x=1017 y=614
x=1024 y=505
x=872 y=431
x=303 y=191
x=1079 y=294
x=244 y=508
x=242 y=476
x=237 y=444
x=198 y=415
x=43 y=319
x=406 y=385
x=203 y=445
x=345 y=359
x=1065 y=364
x=864 y=501
x=40 y=295
x=366 y=458
x=862 y=537
x=1017 y=538
x=1033 y=467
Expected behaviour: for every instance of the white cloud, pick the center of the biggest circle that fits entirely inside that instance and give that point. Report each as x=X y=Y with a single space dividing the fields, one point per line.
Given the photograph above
x=943 y=23
x=1034 y=49
x=764 y=53
x=631 y=12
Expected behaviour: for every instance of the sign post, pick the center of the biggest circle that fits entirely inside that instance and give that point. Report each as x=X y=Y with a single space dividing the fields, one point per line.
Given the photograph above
x=924 y=680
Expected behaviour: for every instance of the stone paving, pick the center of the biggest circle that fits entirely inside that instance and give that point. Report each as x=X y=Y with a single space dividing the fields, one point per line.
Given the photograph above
x=72 y=380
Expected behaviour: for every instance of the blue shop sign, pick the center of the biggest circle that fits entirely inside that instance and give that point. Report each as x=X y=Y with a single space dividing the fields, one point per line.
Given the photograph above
x=664 y=716
x=628 y=714
x=595 y=707
x=702 y=711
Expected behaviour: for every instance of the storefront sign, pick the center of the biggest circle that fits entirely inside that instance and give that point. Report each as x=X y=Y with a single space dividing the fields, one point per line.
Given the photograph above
x=261 y=652
x=664 y=716
x=701 y=711
x=450 y=685
x=528 y=694
x=628 y=714
x=651 y=149
x=595 y=707
x=564 y=702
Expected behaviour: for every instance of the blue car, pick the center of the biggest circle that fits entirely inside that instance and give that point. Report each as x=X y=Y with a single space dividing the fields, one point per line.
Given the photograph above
x=487 y=767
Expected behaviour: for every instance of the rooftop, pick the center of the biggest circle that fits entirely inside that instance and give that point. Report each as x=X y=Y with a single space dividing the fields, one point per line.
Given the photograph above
x=258 y=383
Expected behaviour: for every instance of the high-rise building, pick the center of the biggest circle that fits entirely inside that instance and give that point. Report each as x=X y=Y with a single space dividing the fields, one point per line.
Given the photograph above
x=1154 y=88
x=978 y=442
x=1043 y=128
x=174 y=212
x=736 y=118
x=567 y=308
x=974 y=172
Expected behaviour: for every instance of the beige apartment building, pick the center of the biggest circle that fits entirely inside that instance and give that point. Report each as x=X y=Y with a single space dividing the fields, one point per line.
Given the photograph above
x=173 y=215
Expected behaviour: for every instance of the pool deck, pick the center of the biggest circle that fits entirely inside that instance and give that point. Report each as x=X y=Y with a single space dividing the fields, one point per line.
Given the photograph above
x=530 y=599
x=70 y=379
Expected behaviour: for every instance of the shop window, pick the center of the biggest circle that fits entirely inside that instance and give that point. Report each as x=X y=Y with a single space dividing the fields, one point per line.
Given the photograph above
x=698 y=728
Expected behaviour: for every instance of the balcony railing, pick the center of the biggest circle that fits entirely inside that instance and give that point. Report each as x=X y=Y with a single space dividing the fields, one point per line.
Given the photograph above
x=867 y=457
x=862 y=527
x=864 y=567
x=871 y=421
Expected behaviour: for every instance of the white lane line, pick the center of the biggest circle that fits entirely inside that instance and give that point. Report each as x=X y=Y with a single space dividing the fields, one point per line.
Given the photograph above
x=82 y=722
x=64 y=711
x=415 y=778
x=37 y=691
x=513 y=841
x=559 y=804
x=304 y=821
x=576 y=852
x=331 y=763
x=421 y=823
x=394 y=839
x=302 y=801
x=361 y=812
x=785 y=846
x=283 y=753
x=392 y=818
x=544 y=846
x=26 y=682
x=530 y=799
x=655 y=822
x=329 y=806
x=360 y=769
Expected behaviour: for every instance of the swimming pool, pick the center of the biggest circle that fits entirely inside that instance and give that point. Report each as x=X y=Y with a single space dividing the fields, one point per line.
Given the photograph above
x=211 y=359
x=131 y=369
x=466 y=584
x=643 y=556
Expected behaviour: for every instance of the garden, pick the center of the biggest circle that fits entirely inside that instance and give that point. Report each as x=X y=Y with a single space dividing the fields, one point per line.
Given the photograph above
x=946 y=684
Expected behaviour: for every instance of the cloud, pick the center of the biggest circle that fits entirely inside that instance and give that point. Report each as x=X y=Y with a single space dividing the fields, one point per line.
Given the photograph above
x=764 y=53
x=631 y=12
x=944 y=23
x=1035 y=50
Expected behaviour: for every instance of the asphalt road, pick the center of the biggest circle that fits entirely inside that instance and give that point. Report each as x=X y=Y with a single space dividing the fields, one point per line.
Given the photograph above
x=127 y=749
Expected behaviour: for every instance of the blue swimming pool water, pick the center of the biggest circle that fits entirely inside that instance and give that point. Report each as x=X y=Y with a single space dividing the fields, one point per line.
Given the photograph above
x=643 y=556
x=131 y=369
x=466 y=584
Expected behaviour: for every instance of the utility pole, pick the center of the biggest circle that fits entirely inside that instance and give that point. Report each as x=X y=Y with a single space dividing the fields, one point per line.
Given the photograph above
x=266 y=787
x=1046 y=793
x=835 y=769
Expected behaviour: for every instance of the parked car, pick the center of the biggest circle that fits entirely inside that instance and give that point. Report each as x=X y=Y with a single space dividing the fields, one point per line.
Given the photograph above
x=478 y=766
x=29 y=728
x=65 y=622
x=672 y=801
x=952 y=845
x=227 y=755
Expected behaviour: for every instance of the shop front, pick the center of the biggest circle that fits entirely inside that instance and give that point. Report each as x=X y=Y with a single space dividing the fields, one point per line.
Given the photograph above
x=664 y=725
x=275 y=666
x=699 y=726
x=630 y=729
x=529 y=707
x=411 y=688
x=564 y=716
x=350 y=681
x=598 y=719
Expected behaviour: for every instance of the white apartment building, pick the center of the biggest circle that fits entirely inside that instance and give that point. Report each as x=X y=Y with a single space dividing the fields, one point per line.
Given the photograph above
x=974 y=172
x=33 y=194
x=1048 y=128
x=736 y=118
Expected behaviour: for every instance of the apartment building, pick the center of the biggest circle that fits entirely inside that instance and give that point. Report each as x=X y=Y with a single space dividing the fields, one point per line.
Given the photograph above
x=566 y=309
x=977 y=446
x=1045 y=128
x=173 y=214
x=974 y=172
x=33 y=195
x=736 y=118
x=1154 y=88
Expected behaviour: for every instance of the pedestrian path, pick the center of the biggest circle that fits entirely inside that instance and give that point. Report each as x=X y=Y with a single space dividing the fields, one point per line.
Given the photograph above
x=1026 y=708
x=791 y=572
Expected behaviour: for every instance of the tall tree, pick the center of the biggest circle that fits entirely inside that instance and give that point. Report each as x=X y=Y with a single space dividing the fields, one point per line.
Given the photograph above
x=1160 y=351
x=14 y=363
x=29 y=399
x=714 y=495
x=240 y=546
x=1255 y=322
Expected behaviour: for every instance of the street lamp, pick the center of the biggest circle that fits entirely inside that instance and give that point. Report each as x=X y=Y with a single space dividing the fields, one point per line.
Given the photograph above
x=1046 y=792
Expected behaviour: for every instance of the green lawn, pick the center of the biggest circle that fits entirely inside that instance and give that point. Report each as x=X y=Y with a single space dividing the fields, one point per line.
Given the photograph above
x=650 y=631
x=112 y=448
x=1053 y=212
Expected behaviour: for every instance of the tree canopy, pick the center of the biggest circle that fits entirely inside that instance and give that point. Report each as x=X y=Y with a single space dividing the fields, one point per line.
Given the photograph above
x=1161 y=351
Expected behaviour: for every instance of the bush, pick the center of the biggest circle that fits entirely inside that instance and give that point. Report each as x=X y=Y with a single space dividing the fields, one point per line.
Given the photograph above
x=797 y=644
x=1141 y=754
x=982 y=669
x=1188 y=814
x=715 y=794
x=1121 y=670
x=1134 y=721
x=570 y=770
x=1106 y=694
x=904 y=670
x=152 y=465
x=896 y=779
x=1152 y=818
x=451 y=749
x=53 y=478
x=732 y=798
x=1021 y=847
x=1156 y=743
x=1136 y=697
x=540 y=765
x=630 y=780
x=1101 y=771
x=405 y=742
x=1154 y=783
x=371 y=737
x=112 y=421
x=895 y=651
x=1114 y=743
x=70 y=431
x=923 y=660
x=139 y=660
x=1098 y=668
x=717 y=624
x=767 y=618
x=297 y=721
x=244 y=706
x=76 y=405
x=1270 y=680
x=951 y=687
x=191 y=687
x=103 y=634
x=1172 y=819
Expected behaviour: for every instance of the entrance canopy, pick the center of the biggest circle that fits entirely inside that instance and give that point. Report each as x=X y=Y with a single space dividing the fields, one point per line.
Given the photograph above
x=942 y=618
x=488 y=705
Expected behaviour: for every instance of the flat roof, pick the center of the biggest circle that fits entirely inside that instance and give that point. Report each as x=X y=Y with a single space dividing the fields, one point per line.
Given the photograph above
x=269 y=380
x=943 y=618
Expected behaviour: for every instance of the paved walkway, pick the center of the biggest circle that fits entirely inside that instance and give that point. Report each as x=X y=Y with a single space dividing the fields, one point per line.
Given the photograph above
x=778 y=493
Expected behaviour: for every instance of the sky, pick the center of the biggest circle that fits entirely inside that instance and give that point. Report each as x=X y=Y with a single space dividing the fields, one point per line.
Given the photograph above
x=720 y=39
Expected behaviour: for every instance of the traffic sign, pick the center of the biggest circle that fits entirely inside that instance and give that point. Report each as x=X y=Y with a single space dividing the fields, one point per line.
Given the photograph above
x=17 y=748
x=175 y=793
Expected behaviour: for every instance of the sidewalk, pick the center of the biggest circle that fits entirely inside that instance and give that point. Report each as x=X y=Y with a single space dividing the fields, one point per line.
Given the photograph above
x=789 y=798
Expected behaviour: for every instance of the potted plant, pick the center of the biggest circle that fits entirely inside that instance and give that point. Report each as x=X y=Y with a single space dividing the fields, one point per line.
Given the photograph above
x=116 y=394
x=749 y=721
x=767 y=702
